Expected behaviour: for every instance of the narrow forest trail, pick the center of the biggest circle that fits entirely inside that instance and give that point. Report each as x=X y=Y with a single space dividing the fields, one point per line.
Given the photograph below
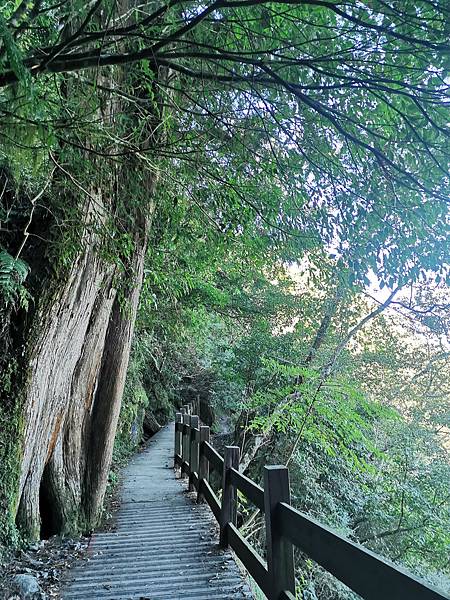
x=165 y=546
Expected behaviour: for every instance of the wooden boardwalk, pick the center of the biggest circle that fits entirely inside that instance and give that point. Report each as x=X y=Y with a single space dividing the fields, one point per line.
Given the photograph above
x=165 y=546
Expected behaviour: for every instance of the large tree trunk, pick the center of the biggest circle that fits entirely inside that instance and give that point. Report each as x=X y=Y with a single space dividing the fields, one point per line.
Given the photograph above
x=56 y=355
x=73 y=392
x=105 y=409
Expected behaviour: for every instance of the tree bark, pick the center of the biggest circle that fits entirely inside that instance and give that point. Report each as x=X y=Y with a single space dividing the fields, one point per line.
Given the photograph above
x=56 y=356
x=73 y=393
x=108 y=395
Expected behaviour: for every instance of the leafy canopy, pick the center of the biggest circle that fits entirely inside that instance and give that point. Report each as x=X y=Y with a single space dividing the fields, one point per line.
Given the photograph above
x=317 y=123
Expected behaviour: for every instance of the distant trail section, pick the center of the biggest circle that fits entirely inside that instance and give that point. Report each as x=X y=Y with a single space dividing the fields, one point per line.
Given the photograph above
x=165 y=546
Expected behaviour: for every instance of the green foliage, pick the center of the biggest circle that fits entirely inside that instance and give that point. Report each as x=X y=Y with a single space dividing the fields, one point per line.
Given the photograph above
x=342 y=433
x=310 y=126
x=13 y=273
x=13 y=53
x=134 y=404
x=11 y=427
x=129 y=431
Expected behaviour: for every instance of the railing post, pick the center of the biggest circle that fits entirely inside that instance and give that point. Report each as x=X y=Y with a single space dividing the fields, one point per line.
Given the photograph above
x=228 y=511
x=177 y=451
x=280 y=554
x=203 y=464
x=186 y=408
x=184 y=443
x=193 y=455
x=183 y=416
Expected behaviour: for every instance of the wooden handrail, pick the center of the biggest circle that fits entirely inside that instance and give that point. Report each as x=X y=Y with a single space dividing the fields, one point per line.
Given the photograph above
x=366 y=573
x=249 y=488
x=351 y=563
x=213 y=457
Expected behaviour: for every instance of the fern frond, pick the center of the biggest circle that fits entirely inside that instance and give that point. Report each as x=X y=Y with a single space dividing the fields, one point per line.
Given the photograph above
x=13 y=272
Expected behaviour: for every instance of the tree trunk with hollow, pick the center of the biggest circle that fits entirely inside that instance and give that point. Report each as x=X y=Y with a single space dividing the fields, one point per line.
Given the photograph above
x=73 y=393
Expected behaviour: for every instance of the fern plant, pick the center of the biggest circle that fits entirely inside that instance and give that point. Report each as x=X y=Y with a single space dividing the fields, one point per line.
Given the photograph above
x=13 y=272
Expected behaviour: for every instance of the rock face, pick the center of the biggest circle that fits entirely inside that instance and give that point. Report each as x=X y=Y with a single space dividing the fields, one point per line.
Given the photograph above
x=206 y=412
x=25 y=587
x=150 y=424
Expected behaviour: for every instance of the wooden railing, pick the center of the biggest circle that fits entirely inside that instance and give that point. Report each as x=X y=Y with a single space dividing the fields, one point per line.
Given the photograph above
x=366 y=573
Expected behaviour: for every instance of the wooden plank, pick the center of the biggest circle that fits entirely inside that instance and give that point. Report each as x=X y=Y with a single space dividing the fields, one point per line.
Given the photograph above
x=280 y=553
x=228 y=513
x=251 y=560
x=249 y=488
x=210 y=498
x=369 y=575
x=214 y=458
